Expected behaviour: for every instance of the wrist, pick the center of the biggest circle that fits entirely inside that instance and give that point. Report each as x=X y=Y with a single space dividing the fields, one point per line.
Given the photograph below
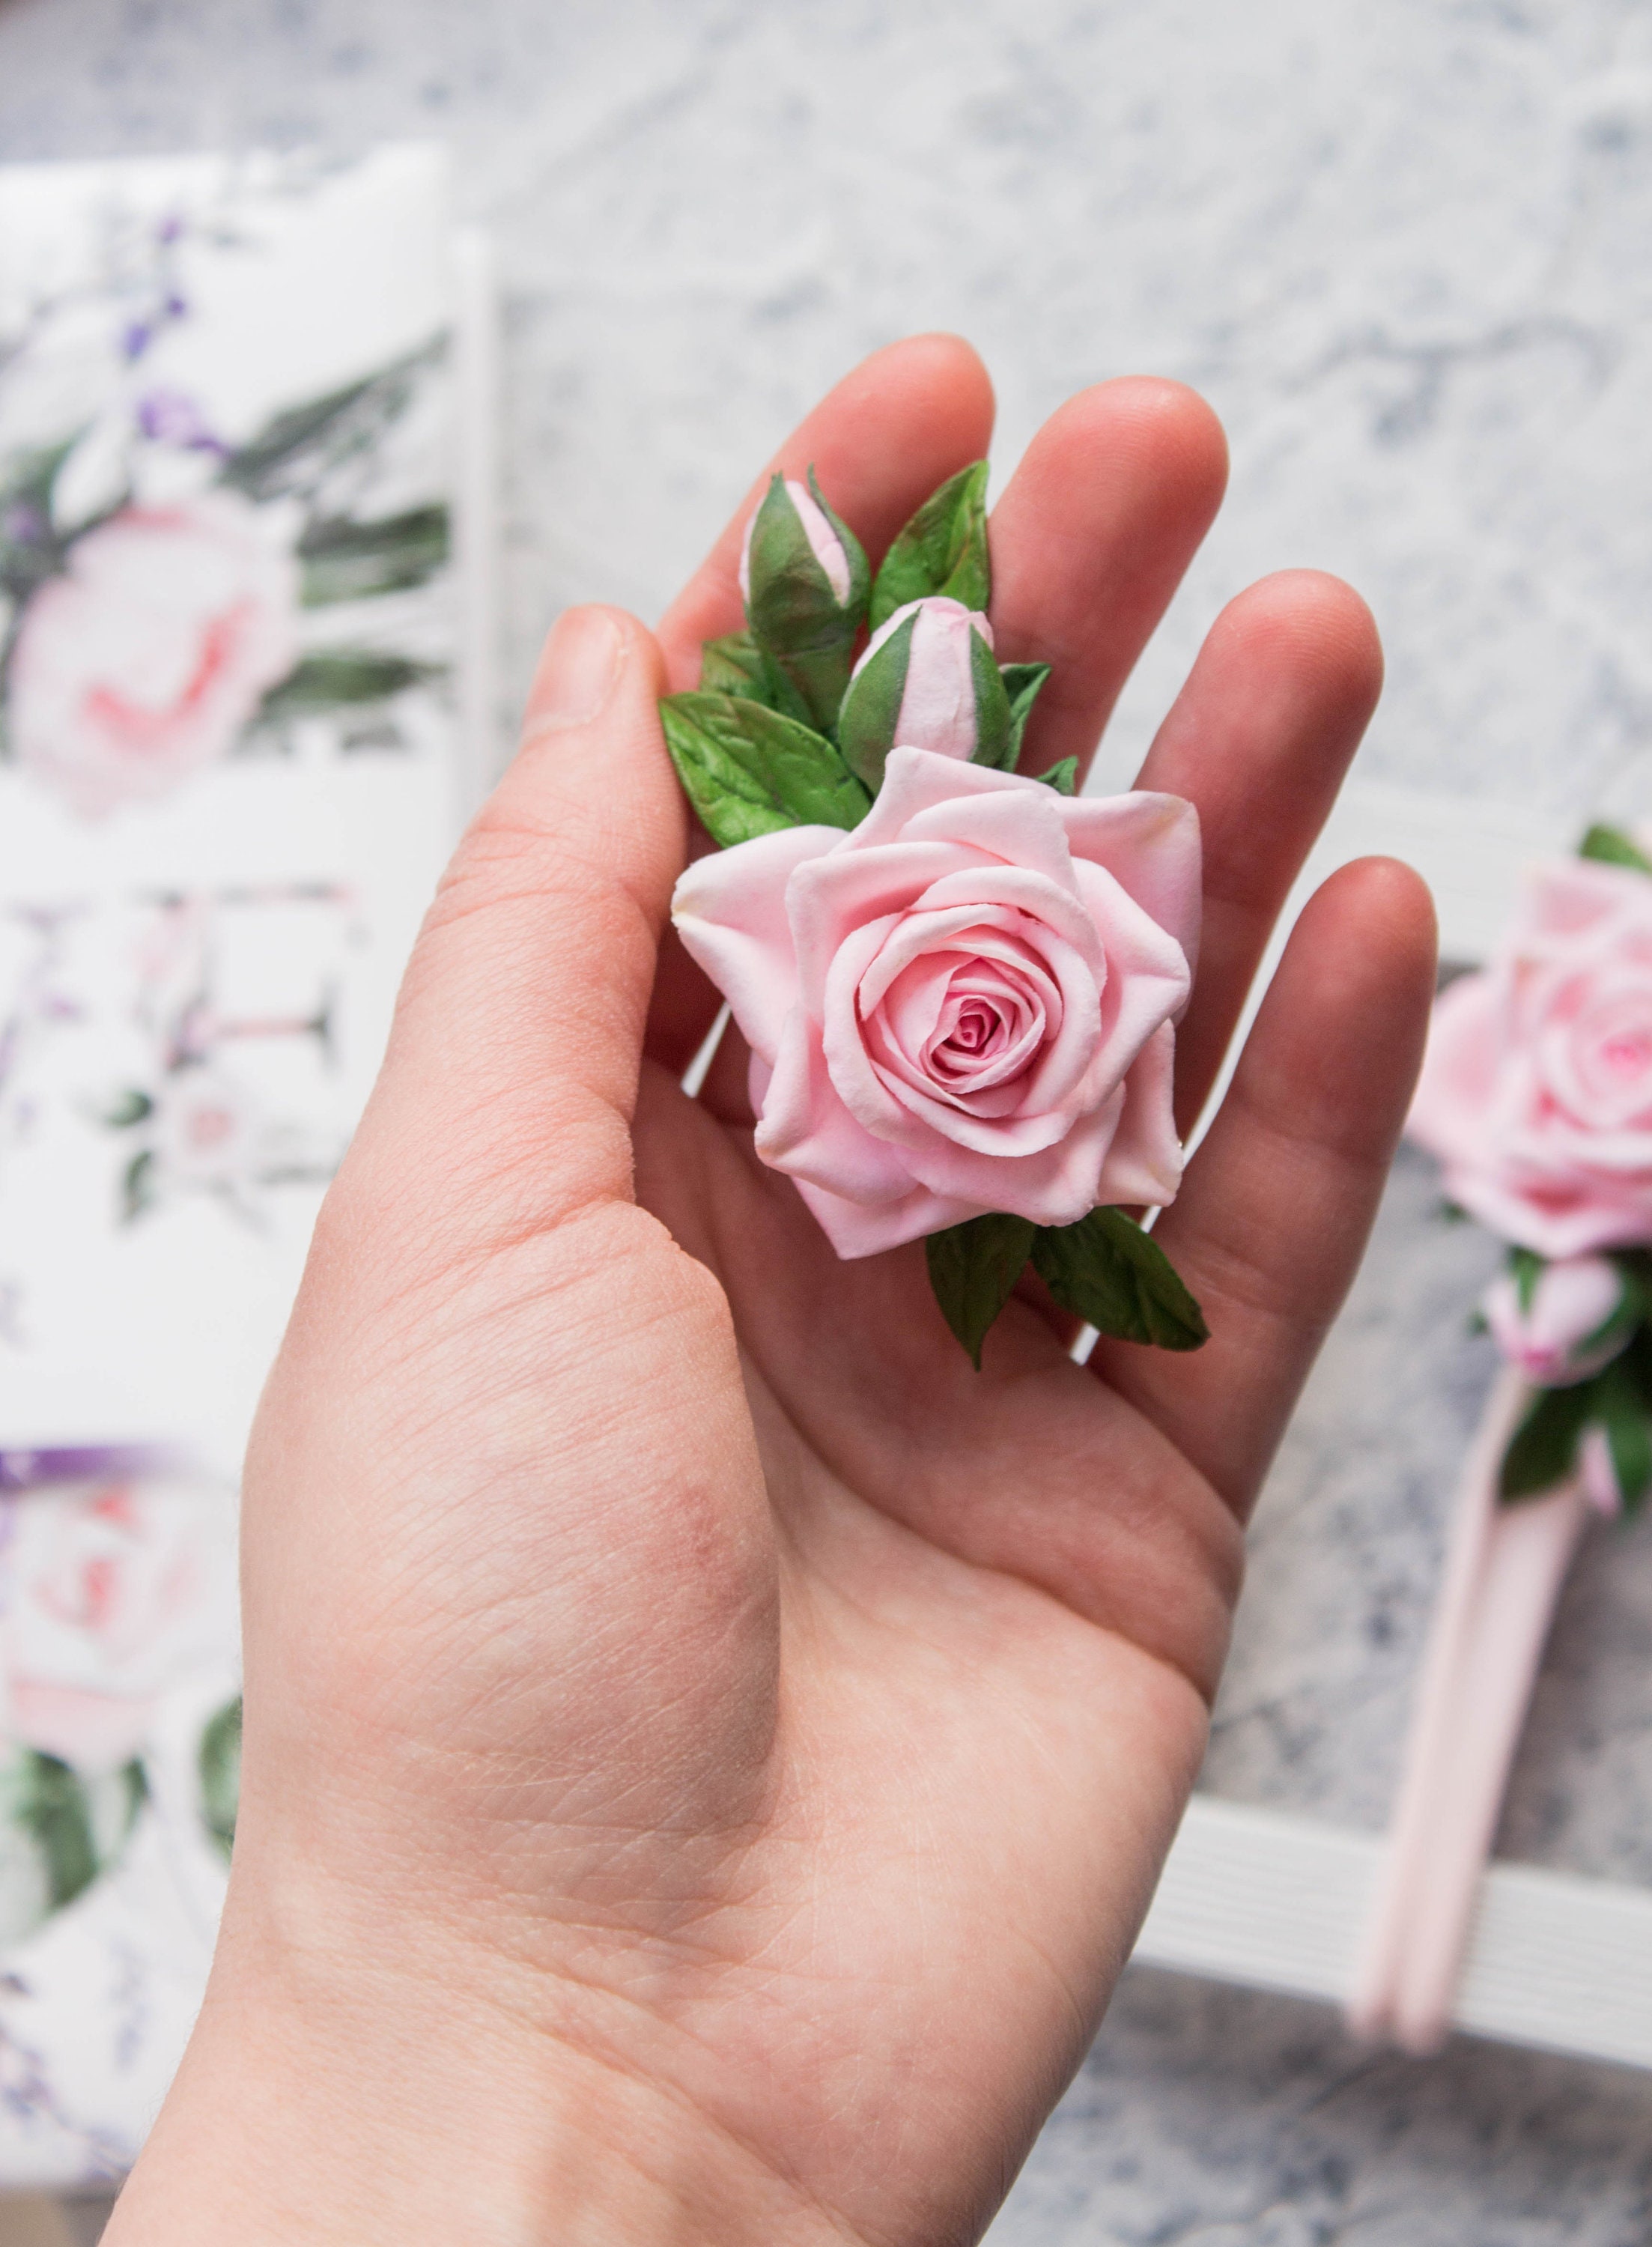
x=344 y=2106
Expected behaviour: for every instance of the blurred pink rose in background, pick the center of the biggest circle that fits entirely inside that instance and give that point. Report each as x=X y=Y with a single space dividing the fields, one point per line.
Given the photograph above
x=142 y=662
x=965 y=1005
x=207 y=1129
x=111 y=1593
x=1536 y=1091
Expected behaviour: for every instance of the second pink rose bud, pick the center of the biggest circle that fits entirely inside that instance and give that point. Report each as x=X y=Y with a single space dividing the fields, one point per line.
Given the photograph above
x=928 y=680
x=1571 y=1321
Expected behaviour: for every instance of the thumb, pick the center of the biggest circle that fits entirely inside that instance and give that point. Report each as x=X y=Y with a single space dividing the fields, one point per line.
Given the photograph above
x=510 y=1078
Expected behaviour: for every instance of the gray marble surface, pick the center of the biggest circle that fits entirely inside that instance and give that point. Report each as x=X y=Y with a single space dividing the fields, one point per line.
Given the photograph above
x=1403 y=250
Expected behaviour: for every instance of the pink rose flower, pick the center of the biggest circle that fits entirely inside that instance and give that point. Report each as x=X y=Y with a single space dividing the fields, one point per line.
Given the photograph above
x=935 y=695
x=113 y=1591
x=1536 y=1090
x=965 y=1005
x=141 y=664
x=1550 y=1338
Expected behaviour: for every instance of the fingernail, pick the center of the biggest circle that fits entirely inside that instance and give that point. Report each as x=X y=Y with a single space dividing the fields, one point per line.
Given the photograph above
x=577 y=671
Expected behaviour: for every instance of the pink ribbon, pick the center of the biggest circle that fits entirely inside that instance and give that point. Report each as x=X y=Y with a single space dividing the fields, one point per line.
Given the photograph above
x=1505 y=1567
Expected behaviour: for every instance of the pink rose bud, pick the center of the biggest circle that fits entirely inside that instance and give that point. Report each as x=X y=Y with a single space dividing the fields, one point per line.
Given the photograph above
x=1577 y=1319
x=805 y=582
x=928 y=680
x=824 y=543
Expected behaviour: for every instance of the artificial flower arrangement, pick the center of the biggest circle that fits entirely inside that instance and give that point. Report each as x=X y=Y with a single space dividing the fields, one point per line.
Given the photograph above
x=1536 y=1096
x=959 y=983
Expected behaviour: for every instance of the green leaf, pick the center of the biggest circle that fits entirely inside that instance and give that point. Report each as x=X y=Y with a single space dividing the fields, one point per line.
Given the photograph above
x=734 y=665
x=1622 y=1416
x=1543 y=1448
x=942 y=549
x=871 y=708
x=53 y=1806
x=340 y=676
x=348 y=561
x=219 y=1767
x=751 y=771
x=131 y=1106
x=1062 y=777
x=994 y=724
x=1023 y=683
x=1614 y=848
x=1107 y=1270
x=974 y=1268
x=297 y=448
x=1527 y=1268
x=138 y=1185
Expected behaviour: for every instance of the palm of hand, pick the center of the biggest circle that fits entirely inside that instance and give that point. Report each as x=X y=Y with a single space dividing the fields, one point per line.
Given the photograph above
x=783 y=1715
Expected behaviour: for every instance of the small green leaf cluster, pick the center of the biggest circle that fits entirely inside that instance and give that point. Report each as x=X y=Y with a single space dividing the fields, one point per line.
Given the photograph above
x=759 y=745
x=1105 y=1269
x=1544 y=1449
x=772 y=739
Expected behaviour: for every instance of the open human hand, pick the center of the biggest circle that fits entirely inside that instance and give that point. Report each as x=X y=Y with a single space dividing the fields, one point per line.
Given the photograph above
x=709 y=1749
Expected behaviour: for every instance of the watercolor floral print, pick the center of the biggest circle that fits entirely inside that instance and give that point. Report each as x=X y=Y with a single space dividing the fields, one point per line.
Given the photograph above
x=201 y=1122
x=113 y=1591
x=169 y=597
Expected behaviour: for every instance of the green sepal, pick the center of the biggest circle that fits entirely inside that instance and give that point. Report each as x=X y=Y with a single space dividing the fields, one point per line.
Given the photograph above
x=749 y=770
x=1526 y=1268
x=974 y=1268
x=1064 y=777
x=994 y=723
x=1611 y=847
x=1543 y=1449
x=219 y=1763
x=1022 y=683
x=871 y=708
x=1620 y=1410
x=942 y=549
x=794 y=613
x=342 y=560
x=1106 y=1270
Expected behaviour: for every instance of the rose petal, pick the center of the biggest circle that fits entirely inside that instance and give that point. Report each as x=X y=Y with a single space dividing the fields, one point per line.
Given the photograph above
x=1150 y=844
x=804 y=1129
x=730 y=911
x=1144 y=1162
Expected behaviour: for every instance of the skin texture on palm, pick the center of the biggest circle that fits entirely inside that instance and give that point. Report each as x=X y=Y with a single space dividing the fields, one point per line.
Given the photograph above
x=707 y=1749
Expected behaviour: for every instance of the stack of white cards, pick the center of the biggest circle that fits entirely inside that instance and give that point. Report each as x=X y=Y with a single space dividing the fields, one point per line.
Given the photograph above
x=245 y=616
